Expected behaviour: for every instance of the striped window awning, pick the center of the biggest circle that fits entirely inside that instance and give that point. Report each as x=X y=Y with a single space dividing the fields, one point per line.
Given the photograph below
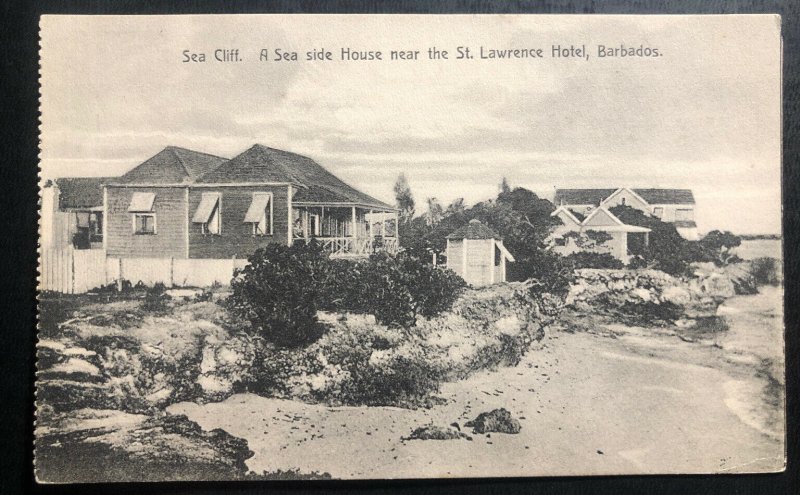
x=208 y=203
x=258 y=207
x=142 y=202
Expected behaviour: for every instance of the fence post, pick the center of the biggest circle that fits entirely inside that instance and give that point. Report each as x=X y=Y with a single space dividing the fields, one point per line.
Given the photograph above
x=119 y=275
x=72 y=271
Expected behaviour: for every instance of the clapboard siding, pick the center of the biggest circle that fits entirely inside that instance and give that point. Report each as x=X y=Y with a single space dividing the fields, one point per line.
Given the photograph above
x=169 y=241
x=236 y=239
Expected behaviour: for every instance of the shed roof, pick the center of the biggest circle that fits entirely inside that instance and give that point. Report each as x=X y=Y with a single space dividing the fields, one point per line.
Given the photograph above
x=596 y=196
x=80 y=192
x=172 y=165
x=474 y=230
x=316 y=185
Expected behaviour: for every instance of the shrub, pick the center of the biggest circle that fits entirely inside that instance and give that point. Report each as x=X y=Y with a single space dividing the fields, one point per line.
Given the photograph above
x=278 y=292
x=342 y=290
x=397 y=289
x=155 y=299
x=765 y=271
x=547 y=271
x=402 y=381
x=588 y=259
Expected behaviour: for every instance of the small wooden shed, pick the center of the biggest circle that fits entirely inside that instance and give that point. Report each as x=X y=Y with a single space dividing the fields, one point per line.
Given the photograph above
x=477 y=254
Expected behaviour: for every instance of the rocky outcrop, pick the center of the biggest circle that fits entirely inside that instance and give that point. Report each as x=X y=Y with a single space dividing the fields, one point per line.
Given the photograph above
x=649 y=295
x=98 y=445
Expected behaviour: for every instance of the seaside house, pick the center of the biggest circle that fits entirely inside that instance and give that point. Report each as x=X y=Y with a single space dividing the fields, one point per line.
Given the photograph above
x=676 y=206
x=182 y=212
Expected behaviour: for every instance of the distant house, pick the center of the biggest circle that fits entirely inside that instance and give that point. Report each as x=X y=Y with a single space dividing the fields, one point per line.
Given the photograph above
x=182 y=204
x=72 y=213
x=477 y=254
x=576 y=233
x=676 y=206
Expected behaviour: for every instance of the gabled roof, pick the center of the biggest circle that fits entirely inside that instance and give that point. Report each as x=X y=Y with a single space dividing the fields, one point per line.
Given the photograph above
x=474 y=230
x=80 y=192
x=568 y=213
x=172 y=165
x=595 y=196
x=261 y=164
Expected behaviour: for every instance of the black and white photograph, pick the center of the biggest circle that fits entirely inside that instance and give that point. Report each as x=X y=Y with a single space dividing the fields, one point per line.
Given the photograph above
x=310 y=247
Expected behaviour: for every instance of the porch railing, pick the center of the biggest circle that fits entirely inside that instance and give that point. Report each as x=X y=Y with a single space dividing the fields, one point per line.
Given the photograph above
x=357 y=246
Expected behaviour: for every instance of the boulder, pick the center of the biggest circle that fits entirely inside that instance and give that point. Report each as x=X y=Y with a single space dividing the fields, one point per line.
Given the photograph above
x=497 y=420
x=676 y=295
x=718 y=286
x=436 y=433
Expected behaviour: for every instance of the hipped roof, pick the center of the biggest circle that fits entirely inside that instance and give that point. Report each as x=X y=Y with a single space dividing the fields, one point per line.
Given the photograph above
x=653 y=196
x=315 y=184
x=172 y=165
x=474 y=230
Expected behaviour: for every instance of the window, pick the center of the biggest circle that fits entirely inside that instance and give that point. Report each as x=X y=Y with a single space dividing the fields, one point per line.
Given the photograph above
x=208 y=215
x=684 y=214
x=144 y=219
x=259 y=214
x=658 y=212
x=560 y=241
x=144 y=223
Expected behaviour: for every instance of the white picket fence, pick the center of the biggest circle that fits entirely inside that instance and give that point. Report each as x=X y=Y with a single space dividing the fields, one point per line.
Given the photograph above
x=74 y=271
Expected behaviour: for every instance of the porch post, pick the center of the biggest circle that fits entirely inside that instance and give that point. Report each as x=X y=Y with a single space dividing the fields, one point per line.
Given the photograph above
x=369 y=223
x=353 y=232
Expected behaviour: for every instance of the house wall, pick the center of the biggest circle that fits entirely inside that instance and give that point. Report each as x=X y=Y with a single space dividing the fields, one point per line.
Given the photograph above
x=480 y=262
x=236 y=238
x=169 y=241
x=455 y=256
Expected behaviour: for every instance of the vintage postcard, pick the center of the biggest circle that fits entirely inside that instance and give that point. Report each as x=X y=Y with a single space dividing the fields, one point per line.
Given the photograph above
x=409 y=246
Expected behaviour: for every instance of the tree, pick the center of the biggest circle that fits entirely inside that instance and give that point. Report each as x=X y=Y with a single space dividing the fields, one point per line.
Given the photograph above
x=667 y=250
x=404 y=198
x=456 y=207
x=719 y=246
x=504 y=187
x=435 y=212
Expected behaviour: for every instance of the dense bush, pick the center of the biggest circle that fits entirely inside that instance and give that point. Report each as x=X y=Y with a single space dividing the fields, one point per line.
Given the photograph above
x=547 y=272
x=278 y=292
x=765 y=271
x=588 y=259
x=403 y=381
x=397 y=289
x=281 y=288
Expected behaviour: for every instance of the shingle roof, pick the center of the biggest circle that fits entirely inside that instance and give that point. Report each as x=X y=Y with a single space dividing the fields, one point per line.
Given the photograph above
x=596 y=196
x=581 y=196
x=474 y=230
x=172 y=165
x=666 y=196
x=80 y=192
x=316 y=185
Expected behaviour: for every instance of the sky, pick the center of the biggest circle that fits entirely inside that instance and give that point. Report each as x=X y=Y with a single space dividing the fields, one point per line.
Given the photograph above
x=705 y=115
